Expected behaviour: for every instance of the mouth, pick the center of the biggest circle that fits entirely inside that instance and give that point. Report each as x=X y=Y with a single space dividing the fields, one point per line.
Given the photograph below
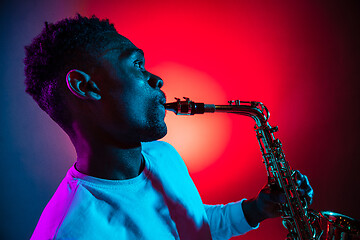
x=162 y=101
x=162 y=98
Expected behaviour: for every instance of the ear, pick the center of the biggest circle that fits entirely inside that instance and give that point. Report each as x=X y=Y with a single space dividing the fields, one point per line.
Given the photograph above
x=81 y=85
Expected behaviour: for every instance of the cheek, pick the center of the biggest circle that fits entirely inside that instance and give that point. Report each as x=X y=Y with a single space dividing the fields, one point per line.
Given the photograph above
x=129 y=103
x=134 y=104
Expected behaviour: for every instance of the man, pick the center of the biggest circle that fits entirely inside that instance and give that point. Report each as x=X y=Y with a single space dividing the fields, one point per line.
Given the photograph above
x=124 y=184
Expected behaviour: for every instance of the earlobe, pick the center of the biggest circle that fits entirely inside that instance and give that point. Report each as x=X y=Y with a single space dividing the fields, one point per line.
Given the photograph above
x=81 y=85
x=95 y=90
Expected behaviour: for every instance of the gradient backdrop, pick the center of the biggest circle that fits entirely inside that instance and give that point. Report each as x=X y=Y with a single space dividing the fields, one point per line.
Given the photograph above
x=301 y=58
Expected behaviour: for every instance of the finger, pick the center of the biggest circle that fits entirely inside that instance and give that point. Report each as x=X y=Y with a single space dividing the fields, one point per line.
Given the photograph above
x=301 y=192
x=278 y=210
x=307 y=188
x=304 y=188
x=310 y=196
x=306 y=184
x=298 y=177
x=302 y=181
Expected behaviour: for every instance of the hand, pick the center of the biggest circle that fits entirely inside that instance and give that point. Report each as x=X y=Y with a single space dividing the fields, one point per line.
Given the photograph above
x=267 y=204
x=304 y=188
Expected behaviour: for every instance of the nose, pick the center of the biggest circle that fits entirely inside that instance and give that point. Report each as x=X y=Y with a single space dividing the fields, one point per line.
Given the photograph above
x=155 y=81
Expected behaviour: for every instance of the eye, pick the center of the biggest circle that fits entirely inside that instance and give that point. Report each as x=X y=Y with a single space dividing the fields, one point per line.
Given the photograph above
x=139 y=64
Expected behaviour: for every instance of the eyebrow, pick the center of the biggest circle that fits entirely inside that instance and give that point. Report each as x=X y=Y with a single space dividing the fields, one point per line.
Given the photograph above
x=141 y=51
x=132 y=51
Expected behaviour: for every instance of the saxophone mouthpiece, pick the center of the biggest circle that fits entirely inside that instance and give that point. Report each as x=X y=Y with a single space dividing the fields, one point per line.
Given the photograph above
x=188 y=107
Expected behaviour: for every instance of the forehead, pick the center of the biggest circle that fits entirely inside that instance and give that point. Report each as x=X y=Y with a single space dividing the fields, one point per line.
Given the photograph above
x=114 y=41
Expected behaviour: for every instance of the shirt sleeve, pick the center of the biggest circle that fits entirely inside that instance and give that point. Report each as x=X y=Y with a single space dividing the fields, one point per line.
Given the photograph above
x=227 y=221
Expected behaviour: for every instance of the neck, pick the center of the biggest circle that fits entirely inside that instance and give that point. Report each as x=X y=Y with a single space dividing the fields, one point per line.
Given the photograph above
x=110 y=163
x=108 y=160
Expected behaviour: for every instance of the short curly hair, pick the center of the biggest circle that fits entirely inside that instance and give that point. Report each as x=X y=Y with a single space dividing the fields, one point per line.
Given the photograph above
x=68 y=44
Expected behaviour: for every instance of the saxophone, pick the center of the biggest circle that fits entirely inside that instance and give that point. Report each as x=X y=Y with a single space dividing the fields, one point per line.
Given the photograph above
x=301 y=222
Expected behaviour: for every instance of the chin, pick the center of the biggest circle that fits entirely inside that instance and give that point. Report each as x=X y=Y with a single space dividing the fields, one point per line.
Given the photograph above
x=155 y=133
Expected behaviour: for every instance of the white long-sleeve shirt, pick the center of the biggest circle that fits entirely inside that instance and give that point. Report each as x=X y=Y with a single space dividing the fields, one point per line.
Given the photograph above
x=161 y=203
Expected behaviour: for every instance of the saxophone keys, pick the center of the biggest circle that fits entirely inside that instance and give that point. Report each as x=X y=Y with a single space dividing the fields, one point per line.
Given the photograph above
x=274 y=129
x=235 y=102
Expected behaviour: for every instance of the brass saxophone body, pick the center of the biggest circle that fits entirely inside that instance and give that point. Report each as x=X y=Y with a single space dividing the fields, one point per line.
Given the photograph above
x=301 y=222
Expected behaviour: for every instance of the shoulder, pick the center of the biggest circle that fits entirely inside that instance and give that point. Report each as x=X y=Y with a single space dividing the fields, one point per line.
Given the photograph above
x=163 y=155
x=56 y=209
x=71 y=212
x=159 y=147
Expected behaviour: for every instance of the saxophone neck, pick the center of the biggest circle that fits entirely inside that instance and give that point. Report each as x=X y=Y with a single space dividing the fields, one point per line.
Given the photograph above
x=256 y=110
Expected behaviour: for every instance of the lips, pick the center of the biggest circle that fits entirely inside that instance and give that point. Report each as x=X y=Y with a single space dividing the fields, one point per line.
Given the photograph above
x=162 y=98
x=162 y=101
